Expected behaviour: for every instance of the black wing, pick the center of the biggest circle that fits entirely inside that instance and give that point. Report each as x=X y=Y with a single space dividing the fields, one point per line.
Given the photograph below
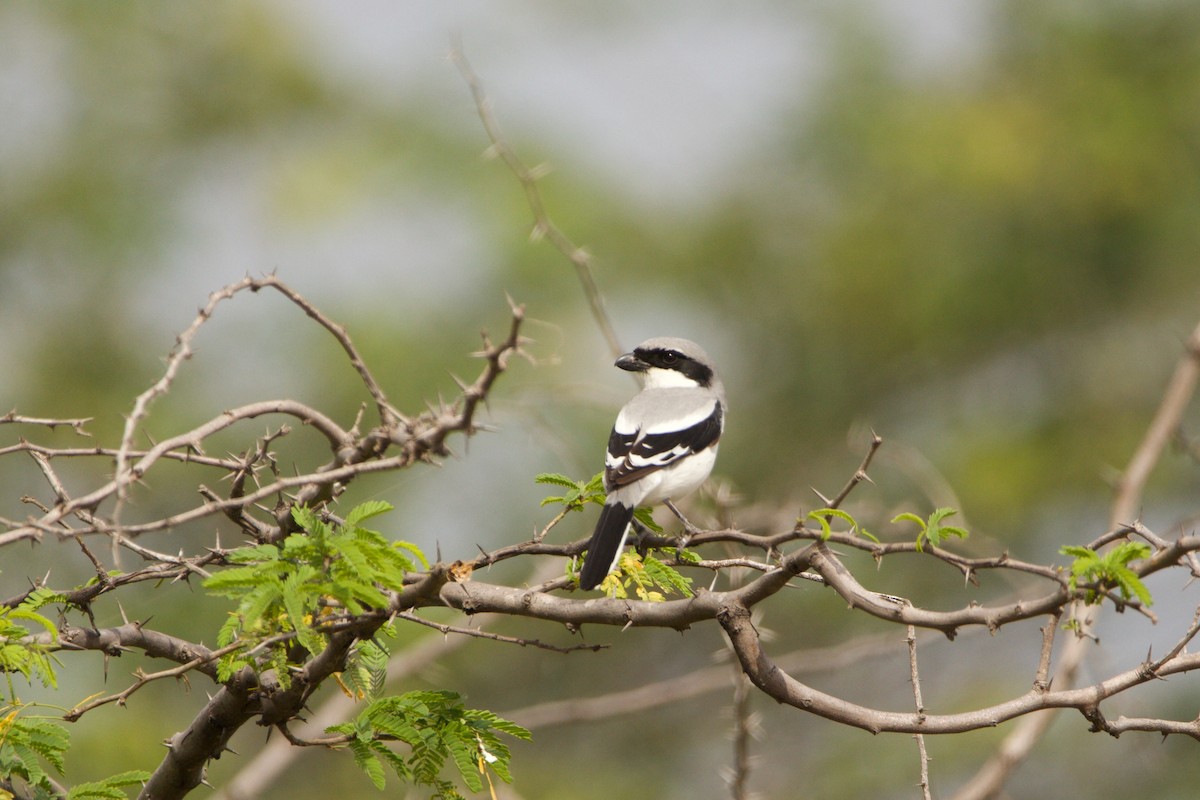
x=633 y=455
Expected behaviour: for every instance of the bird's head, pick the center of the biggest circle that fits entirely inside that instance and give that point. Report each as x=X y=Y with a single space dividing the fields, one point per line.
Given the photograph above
x=667 y=361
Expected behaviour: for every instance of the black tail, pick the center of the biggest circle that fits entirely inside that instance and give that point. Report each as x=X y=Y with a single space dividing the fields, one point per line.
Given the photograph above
x=605 y=544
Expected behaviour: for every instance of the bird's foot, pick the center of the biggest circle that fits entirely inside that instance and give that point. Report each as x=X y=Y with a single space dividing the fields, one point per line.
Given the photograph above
x=689 y=530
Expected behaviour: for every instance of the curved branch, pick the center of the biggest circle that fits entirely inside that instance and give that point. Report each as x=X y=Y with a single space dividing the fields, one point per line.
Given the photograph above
x=777 y=684
x=1016 y=747
x=388 y=415
x=193 y=439
x=992 y=617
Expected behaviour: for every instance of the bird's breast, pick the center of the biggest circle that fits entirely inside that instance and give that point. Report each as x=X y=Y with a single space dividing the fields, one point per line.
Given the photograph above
x=681 y=478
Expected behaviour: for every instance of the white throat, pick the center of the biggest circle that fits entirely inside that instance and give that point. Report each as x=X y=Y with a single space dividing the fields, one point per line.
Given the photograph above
x=657 y=378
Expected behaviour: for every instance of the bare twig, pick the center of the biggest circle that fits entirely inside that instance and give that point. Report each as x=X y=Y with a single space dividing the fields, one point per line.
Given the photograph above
x=859 y=475
x=13 y=418
x=543 y=226
x=125 y=474
x=181 y=353
x=1015 y=748
x=387 y=414
x=143 y=678
x=914 y=677
x=1041 y=680
x=496 y=637
x=1175 y=400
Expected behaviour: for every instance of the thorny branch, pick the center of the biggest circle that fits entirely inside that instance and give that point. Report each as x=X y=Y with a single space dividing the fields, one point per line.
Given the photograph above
x=257 y=497
x=543 y=226
x=397 y=442
x=991 y=777
x=919 y=702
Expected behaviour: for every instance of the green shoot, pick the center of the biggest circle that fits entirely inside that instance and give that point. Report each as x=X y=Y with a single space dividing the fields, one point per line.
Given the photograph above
x=932 y=531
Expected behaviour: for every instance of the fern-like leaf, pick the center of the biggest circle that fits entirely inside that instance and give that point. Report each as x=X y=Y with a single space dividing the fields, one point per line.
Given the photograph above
x=363 y=512
x=113 y=787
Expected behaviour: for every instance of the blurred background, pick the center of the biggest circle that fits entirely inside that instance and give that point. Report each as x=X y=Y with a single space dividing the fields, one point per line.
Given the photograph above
x=972 y=228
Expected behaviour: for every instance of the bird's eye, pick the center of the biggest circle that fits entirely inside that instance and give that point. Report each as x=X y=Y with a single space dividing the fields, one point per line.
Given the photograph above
x=670 y=357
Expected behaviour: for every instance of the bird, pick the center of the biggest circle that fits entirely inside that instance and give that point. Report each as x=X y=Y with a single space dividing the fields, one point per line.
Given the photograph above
x=662 y=446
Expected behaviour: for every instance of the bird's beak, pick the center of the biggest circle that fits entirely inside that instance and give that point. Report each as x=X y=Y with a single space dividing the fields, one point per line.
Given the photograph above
x=631 y=363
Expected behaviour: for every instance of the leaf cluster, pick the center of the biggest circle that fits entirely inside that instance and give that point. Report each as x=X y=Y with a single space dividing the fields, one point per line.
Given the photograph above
x=294 y=589
x=111 y=788
x=1108 y=571
x=26 y=742
x=932 y=531
x=823 y=516
x=284 y=590
x=578 y=493
x=366 y=668
x=18 y=653
x=436 y=728
x=648 y=578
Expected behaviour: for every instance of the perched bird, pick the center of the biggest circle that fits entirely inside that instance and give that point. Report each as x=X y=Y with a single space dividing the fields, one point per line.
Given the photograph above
x=662 y=446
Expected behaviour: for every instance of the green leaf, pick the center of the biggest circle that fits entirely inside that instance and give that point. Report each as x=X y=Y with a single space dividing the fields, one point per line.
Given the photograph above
x=644 y=516
x=260 y=608
x=356 y=558
x=48 y=739
x=18 y=654
x=488 y=719
x=823 y=515
x=21 y=613
x=255 y=554
x=908 y=516
x=935 y=532
x=1077 y=551
x=307 y=519
x=1109 y=571
x=228 y=582
x=412 y=548
x=320 y=556
x=25 y=743
x=364 y=511
x=304 y=548
x=1132 y=586
x=364 y=759
x=41 y=597
x=109 y=787
x=648 y=578
x=579 y=493
x=932 y=530
x=826 y=513
x=356 y=594
x=465 y=752
x=366 y=671
x=282 y=588
x=298 y=604
x=437 y=729
x=666 y=578
x=555 y=479
x=27 y=762
x=687 y=556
